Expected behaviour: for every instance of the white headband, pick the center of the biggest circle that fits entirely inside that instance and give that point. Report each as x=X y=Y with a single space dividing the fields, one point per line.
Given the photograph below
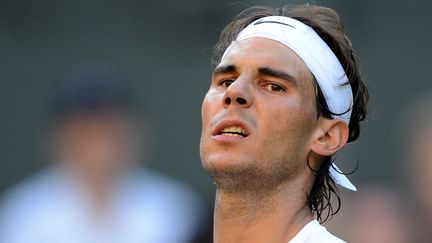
x=320 y=60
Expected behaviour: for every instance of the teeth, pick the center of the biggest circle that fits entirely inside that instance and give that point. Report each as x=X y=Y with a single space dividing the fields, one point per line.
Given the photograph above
x=232 y=135
x=233 y=131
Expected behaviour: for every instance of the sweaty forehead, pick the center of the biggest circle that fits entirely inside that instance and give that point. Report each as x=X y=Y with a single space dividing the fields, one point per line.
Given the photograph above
x=260 y=52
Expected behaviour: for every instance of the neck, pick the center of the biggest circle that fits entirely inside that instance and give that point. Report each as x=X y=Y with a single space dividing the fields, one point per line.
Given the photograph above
x=273 y=216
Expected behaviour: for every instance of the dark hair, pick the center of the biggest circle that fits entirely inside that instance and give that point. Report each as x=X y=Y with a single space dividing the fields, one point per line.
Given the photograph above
x=91 y=86
x=329 y=27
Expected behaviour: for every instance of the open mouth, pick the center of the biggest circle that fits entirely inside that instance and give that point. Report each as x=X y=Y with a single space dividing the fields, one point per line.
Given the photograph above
x=233 y=131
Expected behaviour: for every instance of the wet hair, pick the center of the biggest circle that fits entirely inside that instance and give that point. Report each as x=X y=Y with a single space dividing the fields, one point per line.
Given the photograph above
x=328 y=25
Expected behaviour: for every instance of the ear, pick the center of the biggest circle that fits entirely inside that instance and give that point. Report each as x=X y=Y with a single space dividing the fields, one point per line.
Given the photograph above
x=329 y=136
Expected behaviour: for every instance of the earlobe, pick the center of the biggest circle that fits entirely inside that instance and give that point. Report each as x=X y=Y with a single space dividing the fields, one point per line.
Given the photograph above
x=330 y=136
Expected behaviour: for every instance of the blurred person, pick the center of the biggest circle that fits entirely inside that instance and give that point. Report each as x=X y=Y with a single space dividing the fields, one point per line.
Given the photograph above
x=415 y=137
x=96 y=192
x=285 y=96
x=378 y=216
x=375 y=215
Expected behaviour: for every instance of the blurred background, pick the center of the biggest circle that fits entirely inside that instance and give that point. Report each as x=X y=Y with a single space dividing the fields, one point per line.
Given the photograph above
x=162 y=50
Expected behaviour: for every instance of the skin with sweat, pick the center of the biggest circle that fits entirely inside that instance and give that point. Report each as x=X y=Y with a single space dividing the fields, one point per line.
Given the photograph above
x=265 y=89
x=260 y=130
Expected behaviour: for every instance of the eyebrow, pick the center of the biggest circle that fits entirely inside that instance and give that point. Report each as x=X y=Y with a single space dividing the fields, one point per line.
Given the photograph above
x=230 y=68
x=267 y=71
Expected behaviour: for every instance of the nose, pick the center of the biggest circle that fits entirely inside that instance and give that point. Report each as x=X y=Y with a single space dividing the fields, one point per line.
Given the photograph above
x=238 y=94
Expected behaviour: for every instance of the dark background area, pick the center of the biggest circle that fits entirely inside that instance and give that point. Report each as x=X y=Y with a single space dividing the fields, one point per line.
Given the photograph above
x=164 y=47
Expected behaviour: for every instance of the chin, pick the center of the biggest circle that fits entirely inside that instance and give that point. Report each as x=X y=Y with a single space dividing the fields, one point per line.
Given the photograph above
x=230 y=173
x=240 y=173
x=222 y=162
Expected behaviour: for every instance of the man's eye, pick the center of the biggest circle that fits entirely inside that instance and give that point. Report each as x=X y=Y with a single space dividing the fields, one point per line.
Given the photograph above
x=226 y=83
x=274 y=87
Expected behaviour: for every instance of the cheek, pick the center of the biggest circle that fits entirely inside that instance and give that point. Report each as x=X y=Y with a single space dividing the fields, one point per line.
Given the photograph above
x=209 y=108
x=290 y=111
x=289 y=124
x=207 y=112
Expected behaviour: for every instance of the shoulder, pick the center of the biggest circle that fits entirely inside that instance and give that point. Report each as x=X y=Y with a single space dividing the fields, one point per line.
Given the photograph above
x=28 y=200
x=313 y=233
x=150 y=182
x=168 y=195
x=30 y=191
x=153 y=193
x=160 y=203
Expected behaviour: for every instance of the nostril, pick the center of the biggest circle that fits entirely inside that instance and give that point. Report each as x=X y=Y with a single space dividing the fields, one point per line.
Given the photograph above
x=241 y=101
x=228 y=100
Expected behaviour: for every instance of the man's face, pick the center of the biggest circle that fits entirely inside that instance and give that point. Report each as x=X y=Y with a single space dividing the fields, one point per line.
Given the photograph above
x=95 y=143
x=259 y=113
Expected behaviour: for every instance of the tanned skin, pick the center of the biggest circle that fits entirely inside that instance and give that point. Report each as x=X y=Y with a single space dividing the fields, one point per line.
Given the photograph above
x=260 y=131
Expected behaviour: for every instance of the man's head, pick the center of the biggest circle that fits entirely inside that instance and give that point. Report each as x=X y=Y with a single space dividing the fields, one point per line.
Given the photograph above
x=265 y=119
x=94 y=129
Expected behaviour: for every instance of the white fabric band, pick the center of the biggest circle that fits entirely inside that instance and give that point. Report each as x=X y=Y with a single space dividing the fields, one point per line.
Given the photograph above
x=320 y=60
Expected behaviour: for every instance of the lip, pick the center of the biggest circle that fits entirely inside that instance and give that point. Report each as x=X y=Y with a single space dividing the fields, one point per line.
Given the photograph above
x=228 y=123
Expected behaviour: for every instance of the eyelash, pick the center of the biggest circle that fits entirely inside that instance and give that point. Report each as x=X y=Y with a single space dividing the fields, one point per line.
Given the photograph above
x=227 y=82
x=270 y=86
